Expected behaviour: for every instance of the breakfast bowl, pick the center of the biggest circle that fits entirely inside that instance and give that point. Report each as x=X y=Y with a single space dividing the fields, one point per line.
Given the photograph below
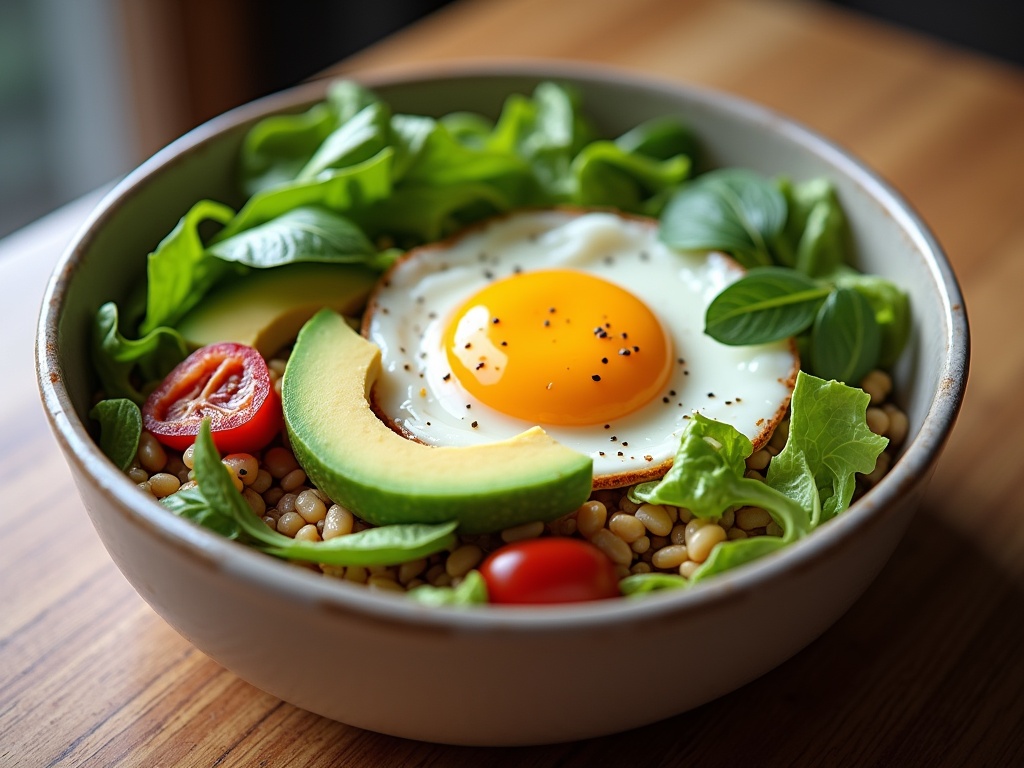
x=491 y=674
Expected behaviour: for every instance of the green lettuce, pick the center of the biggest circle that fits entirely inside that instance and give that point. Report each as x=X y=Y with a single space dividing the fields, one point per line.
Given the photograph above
x=809 y=482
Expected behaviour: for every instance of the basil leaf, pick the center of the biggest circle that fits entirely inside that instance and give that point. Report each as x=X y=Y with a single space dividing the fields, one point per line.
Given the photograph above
x=191 y=504
x=306 y=233
x=116 y=357
x=471 y=591
x=765 y=305
x=120 y=427
x=732 y=210
x=845 y=339
x=891 y=307
x=178 y=272
x=386 y=545
x=816 y=238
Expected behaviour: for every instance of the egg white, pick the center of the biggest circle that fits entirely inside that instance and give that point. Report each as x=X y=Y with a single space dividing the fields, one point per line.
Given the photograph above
x=748 y=387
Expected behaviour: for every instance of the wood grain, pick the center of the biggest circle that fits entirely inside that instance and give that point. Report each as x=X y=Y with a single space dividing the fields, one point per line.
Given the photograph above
x=926 y=669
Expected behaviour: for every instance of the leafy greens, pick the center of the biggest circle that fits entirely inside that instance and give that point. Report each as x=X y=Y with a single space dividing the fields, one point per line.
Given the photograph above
x=809 y=482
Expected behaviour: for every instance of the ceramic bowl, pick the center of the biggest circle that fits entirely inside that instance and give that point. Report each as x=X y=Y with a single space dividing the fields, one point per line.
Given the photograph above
x=494 y=675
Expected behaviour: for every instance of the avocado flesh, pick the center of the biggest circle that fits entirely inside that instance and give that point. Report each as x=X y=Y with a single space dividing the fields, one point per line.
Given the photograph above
x=266 y=307
x=359 y=462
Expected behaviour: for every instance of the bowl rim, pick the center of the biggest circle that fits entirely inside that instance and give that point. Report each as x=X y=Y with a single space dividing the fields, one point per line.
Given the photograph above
x=284 y=580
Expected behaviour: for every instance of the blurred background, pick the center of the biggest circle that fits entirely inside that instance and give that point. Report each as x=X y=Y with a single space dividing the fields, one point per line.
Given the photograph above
x=90 y=88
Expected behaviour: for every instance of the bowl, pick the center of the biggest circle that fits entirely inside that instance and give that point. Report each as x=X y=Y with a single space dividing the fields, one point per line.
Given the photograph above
x=391 y=665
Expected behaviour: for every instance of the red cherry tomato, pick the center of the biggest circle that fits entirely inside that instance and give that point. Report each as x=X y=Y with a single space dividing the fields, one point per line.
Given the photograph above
x=227 y=383
x=549 y=570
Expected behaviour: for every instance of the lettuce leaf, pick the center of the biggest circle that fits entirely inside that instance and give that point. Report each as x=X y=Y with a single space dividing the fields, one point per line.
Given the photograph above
x=809 y=482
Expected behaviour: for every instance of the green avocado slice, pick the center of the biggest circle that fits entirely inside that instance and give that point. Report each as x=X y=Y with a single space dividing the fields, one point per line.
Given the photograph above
x=384 y=478
x=266 y=308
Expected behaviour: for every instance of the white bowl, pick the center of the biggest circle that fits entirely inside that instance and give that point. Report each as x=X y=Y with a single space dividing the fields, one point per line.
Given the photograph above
x=491 y=675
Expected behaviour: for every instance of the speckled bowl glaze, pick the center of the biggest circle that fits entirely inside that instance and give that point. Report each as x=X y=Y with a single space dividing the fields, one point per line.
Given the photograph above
x=390 y=665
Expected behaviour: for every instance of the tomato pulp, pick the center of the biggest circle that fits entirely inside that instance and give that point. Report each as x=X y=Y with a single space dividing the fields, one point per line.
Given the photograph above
x=227 y=383
x=549 y=570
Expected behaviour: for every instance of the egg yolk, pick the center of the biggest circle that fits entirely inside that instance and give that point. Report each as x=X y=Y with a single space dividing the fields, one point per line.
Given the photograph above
x=558 y=347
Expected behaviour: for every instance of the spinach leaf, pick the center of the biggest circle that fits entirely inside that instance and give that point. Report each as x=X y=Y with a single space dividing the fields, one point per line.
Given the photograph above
x=471 y=591
x=386 y=545
x=120 y=428
x=116 y=357
x=277 y=148
x=340 y=191
x=179 y=272
x=606 y=174
x=732 y=210
x=828 y=438
x=355 y=141
x=767 y=304
x=845 y=339
x=661 y=139
x=306 y=233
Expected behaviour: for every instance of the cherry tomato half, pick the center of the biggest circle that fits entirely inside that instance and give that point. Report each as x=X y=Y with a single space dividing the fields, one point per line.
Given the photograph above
x=549 y=570
x=227 y=383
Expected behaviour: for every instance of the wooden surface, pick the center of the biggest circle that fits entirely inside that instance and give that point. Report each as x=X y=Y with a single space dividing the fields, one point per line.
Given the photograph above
x=926 y=669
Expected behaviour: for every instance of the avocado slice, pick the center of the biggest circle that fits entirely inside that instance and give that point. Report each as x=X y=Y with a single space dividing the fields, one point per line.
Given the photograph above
x=266 y=307
x=385 y=478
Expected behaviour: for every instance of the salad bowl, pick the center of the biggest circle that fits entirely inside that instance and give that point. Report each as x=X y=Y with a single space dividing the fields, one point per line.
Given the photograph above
x=492 y=675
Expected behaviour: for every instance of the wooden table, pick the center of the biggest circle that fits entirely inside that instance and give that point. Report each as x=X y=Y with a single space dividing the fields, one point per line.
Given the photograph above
x=926 y=669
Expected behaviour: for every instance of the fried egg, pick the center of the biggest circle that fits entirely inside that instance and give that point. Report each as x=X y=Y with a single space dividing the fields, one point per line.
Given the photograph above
x=581 y=322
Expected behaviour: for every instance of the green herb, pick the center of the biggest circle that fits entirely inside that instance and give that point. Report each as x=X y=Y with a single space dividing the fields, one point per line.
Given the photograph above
x=809 y=482
x=120 y=427
x=178 y=272
x=848 y=322
x=767 y=304
x=277 y=148
x=355 y=141
x=890 y=305
x=191 y=504
x=471 y=591
x=116 y=357
x=732 y=210
x=385 y=545
x=845 y=340
x=307 y=233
